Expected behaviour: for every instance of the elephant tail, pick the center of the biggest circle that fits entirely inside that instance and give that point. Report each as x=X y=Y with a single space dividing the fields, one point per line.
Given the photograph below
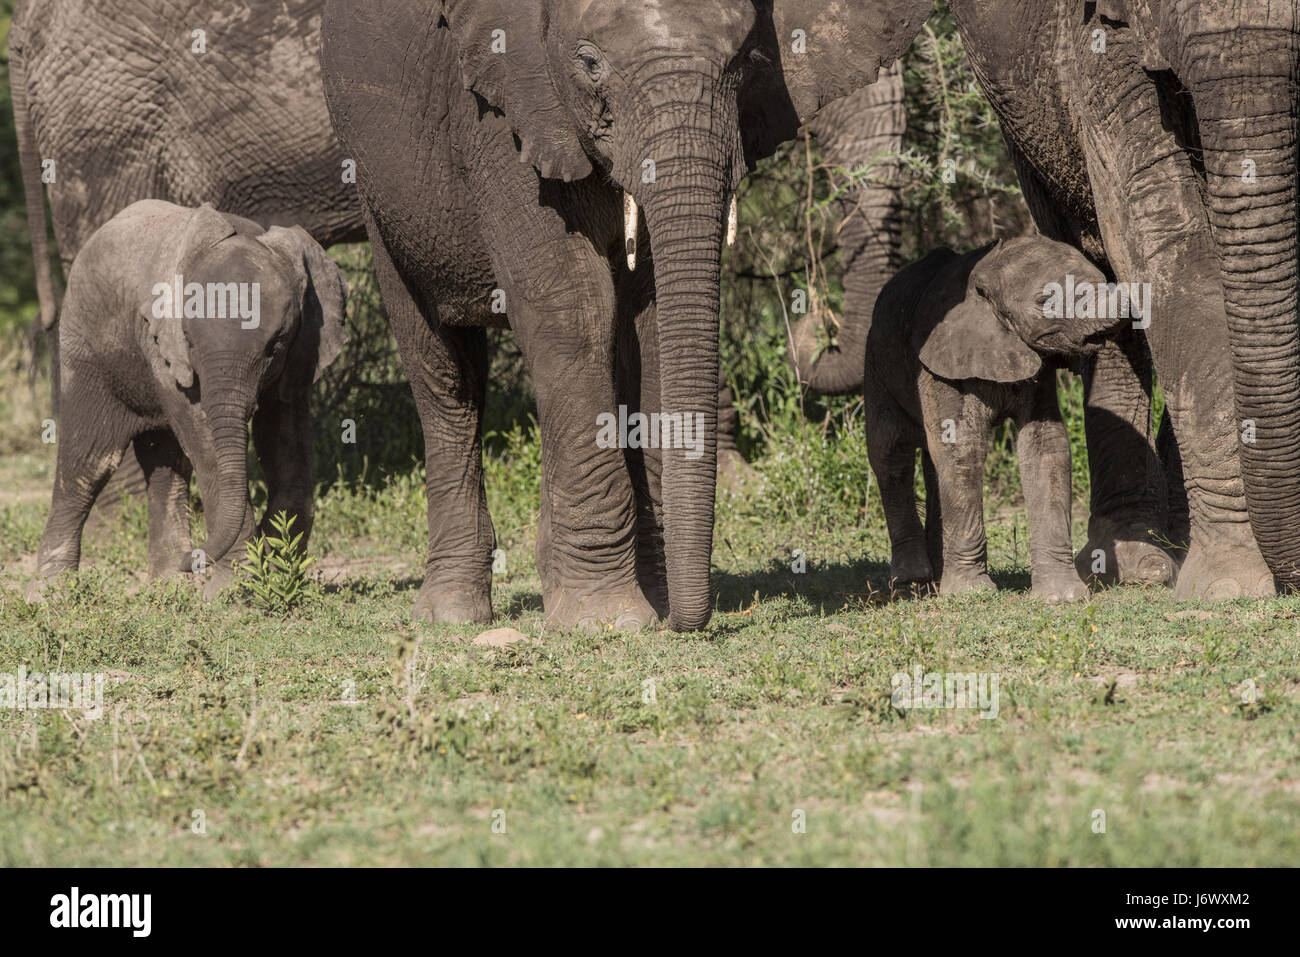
x=33 y=188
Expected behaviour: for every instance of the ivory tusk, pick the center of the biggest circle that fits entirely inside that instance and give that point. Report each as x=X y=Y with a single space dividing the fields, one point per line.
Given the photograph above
x=630 y=230
x=732 y=222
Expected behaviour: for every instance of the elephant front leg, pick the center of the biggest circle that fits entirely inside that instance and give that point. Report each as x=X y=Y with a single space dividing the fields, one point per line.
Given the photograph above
x=587 y=542
x=447 y=369
x=1157 y=235
x=956 y=434
x=1043 y=450
x=637 y=388
x=1128 y=507
x=166 y=473
x=93 y=432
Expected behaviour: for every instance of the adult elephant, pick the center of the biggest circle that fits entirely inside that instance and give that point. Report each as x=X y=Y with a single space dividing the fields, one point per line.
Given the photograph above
x=1160 y=137
x=121 y=100
x=505 y=150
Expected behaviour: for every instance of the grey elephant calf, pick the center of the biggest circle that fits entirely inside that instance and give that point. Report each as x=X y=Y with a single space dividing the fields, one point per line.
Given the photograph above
x=178 y=326
x=957 y=344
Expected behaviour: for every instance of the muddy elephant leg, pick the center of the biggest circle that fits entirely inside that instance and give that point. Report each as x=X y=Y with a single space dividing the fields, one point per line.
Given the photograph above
x=1150 y=207
x=1043 y=450
x=447 y=369
x=93 y=433
x=637 y=384
x=892 y=442
x=166 y=472
x=956 y=436
x=282 y=438
x=1128 y=505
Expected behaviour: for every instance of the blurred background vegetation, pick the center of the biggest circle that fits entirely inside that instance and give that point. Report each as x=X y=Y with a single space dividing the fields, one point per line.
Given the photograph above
x=810 y=448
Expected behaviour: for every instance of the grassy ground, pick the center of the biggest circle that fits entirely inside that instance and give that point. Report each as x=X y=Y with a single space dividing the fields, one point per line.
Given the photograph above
x=343 y=734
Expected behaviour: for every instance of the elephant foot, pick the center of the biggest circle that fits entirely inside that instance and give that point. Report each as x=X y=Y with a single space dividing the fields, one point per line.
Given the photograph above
x=959 y=581
x=221 y=577
x=734 y=473
x=622 y=609
x=1058 y=585
x=910 y=571
x=1223 y=570
x=1123 y=556
x=447 y=604
x=37 y=588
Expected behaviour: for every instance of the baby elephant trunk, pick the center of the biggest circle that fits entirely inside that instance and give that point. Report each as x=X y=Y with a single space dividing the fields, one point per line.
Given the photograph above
x=230 y=517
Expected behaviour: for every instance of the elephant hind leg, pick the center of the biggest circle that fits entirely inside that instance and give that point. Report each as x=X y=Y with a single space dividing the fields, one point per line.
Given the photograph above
x=891 y=448
x=167 y=480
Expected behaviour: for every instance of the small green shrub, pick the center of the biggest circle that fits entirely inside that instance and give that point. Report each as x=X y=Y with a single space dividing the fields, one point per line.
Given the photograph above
x=276 y=566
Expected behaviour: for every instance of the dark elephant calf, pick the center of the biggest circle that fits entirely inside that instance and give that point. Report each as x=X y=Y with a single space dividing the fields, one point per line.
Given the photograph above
x=958 y=343
x=178 y=326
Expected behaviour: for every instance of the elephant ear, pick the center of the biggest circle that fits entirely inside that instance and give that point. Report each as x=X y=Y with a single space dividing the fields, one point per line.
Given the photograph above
x=323 y=332
x=502 y=52
x=813 y=52
x=970 y=341
x=199 y=230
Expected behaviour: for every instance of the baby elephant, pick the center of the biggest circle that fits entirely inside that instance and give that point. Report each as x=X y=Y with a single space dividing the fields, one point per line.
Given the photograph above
x=178 y=326
x=957 y=344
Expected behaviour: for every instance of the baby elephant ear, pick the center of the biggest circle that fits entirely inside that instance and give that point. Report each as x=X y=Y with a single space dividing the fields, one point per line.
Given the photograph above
x=970 y=342
x=198 y=231
x=324 y=295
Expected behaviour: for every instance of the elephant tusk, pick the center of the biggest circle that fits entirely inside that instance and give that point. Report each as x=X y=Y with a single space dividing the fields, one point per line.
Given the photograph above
x=630 y=230
x=732 y=222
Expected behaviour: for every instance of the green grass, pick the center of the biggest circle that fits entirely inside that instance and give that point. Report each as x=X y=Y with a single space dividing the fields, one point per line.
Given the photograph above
x=344 y=734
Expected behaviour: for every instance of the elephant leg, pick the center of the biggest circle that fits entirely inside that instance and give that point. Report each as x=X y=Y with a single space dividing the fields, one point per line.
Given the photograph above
x=447 y=369
x=94 y=431
x=587 y=540
x=166 y=472
x=637 y=382
x=956 y=436
x=1152 y=217
x=892 y=442
x=1172 y=464
x=1043 y=450
x=282 y=436
x=733 y=471
x=1128 y=511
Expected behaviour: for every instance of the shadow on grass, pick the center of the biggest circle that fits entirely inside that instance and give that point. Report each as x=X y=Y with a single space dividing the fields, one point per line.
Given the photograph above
x=826 y=586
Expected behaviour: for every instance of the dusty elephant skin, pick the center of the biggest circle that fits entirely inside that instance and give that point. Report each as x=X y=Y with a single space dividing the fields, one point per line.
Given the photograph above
x=179 y=325
x=957 y=344
x=1160 y=138
x=495 y=148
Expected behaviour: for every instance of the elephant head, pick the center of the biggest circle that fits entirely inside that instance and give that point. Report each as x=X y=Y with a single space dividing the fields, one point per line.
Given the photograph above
x=1005 y=310
x=673 y=100
x=239 y=311
x=1240 y=63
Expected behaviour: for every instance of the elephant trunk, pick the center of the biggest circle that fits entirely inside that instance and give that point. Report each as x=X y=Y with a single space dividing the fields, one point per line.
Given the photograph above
x=686 y=211
x=1247 y=117
x=866 y=127
x=229 y=518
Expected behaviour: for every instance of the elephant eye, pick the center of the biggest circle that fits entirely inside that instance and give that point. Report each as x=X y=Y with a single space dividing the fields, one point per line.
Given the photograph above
x=590 y=64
